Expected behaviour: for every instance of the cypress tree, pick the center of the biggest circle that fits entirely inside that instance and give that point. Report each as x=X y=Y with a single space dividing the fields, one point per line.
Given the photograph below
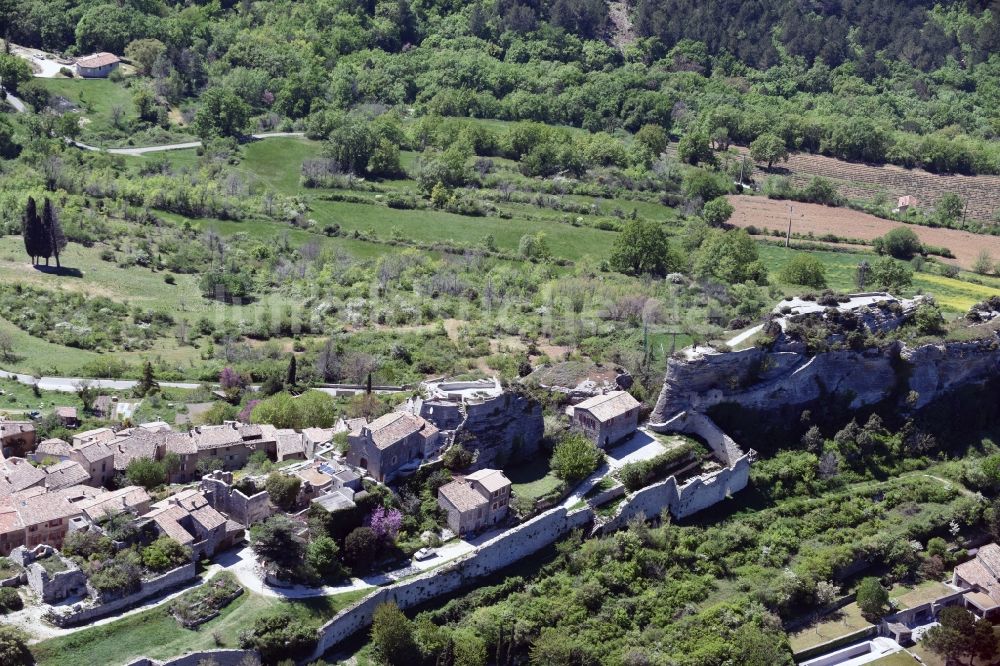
x=32 y=231
x=56 y=239
x=292 y=372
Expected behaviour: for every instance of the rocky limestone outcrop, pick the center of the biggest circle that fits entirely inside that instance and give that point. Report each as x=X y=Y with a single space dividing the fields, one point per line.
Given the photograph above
x=503 y=429
x=764 y=380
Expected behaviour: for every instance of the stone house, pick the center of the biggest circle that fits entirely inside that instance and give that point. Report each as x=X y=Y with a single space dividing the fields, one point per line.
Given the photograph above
x=65 y=474
x=229 y=444
x=98 y=458
x=97 y=66
x=36 y=516
x=290 y=445
x=104 y=406
x=391 y=444
x=130 y=499
x=182 y=445
x=189 y=519
x=17 y=438
x=67 y=416
x=17 y=474
x=607 y=419
x=81 y=439
x=479 y=500
x=981 y=577
x=52 y=449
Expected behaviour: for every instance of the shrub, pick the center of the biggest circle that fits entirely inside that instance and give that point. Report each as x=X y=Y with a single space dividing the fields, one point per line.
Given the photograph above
x=806 y=270
x=640 y=473
x=575 y=458
x=361 y=547
x=165 y=554
x=901 y=243
x=10 y=600
x=279 y=636
x=928 y=319
x=283 y=489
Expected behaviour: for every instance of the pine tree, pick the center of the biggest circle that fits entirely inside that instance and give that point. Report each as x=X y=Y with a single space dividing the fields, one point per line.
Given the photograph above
x=56 y=239
x=33 y=232
x=291 y=377
x=147 y=384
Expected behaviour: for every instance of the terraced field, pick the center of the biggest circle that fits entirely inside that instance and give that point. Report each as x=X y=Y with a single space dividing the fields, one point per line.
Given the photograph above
x=865 y=182
x=765 y=213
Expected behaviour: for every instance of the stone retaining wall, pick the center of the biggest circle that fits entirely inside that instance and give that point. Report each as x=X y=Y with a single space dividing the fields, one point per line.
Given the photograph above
x=220 y=657
x=80 y=614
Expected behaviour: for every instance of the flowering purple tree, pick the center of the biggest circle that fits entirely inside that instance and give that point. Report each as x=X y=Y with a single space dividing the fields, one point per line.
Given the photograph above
x=385 y=523
x=231 y=379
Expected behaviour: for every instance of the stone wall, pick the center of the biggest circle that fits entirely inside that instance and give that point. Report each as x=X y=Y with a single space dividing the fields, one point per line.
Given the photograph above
x=81 y=614
x=220 y=493
x=59 y=585
x=220 y=657
x=725 y=449
x=488 y=558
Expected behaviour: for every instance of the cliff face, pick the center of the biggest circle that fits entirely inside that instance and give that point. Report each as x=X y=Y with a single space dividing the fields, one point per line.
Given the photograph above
x=700 y=378
x=502 y=429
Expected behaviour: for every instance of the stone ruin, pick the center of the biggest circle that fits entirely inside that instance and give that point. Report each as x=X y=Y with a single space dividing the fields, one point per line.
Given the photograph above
x=50 y=587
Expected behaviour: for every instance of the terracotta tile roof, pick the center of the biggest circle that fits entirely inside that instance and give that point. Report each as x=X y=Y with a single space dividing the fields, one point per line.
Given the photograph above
x=989 y=555
x=318 y=435
x=156 y=426
x=606 y=407
x=461 y=495
x=255 y=431
x=95 y=435
x=66 y=412
x=977 y=574
x=129 y=498
x=216 y=437
x=95 y=451
x=169 y=520
x=11 y=428
x=64 y=474
x=395 y=427
x=16 y=474
x=9 y=520
x=35 y=508
x=181 y=443
x=103 y=404
x=102 y=59
x=139 y=444
x=290 y=443
x=491 y=479
x=58 y=448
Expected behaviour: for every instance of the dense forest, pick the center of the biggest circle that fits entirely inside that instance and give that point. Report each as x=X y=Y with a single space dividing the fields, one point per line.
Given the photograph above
x=907 y=83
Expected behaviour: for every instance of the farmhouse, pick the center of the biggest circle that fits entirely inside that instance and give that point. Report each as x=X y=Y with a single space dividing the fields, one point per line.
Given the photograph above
x=97 y=66
x=479 y=500
x=904 y=203
x=606 y=419
x=982 y=577
x=17 y=438
x=390 y=443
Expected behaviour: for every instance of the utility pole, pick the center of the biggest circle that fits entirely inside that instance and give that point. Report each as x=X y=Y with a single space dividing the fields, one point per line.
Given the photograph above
x=965 y=210
x=788 y=236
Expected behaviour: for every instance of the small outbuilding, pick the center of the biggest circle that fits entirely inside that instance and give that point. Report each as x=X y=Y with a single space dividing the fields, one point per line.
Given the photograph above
x=97 y=66
x=608 y=418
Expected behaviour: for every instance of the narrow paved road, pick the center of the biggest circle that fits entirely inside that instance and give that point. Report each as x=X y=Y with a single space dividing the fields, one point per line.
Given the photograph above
x=15 y=102
x=70 y=384
x=170 y=146
x=745 y=335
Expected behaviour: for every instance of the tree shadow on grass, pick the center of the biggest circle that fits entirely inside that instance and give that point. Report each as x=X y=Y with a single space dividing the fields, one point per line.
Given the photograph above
x=60 y=270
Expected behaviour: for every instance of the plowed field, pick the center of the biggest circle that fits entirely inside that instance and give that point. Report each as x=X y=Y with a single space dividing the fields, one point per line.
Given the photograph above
x=766 y=213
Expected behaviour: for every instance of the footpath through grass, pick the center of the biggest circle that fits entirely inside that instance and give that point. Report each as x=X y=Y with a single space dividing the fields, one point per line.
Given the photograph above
x=156 y=634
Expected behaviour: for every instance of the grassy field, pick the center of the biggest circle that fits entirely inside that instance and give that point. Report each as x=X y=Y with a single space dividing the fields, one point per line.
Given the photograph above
x=154 y=633
x=894 y=659
x=952 y=294
x=95 y=98
x=840 y=623
x=533 y=479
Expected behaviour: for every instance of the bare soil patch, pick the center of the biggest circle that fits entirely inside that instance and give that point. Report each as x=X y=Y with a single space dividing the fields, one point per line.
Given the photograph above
x=770 y=214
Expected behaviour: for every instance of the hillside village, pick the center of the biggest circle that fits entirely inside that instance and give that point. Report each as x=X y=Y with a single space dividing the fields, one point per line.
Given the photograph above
x=86 y=546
